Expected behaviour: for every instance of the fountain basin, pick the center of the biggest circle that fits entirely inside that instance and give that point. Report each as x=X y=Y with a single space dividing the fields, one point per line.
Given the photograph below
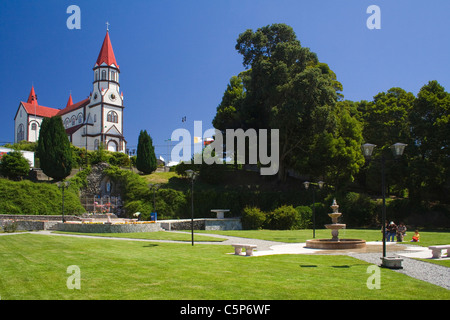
x=333 y=244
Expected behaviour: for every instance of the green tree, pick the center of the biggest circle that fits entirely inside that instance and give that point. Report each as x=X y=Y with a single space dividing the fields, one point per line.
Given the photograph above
x=430 y=152
x=14 y=165
x=53 y=150
x=285 y=87
x=146 y=159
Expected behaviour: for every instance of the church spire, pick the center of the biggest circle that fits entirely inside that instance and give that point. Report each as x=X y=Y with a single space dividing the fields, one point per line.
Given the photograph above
x=106 y=54
x=70 y=101
x=32 y=98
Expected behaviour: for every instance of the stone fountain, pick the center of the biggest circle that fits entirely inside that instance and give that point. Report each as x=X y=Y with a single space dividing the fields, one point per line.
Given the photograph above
x=335 y=242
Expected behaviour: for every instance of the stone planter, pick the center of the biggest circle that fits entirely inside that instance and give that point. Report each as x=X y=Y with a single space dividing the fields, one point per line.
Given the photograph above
x=392 y=262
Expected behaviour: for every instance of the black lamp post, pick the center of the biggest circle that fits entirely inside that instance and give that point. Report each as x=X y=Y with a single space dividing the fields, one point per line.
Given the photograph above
x=63 y=185
x=397 y=150
x=307 y=184
x=154 y=187
x=192 y=174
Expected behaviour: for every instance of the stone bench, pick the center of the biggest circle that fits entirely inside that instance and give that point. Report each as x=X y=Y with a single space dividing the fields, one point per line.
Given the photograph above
x=437 y=250
x=248 y=249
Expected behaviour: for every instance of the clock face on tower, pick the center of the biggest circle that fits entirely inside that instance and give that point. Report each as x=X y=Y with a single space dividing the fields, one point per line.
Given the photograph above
x=112 y=96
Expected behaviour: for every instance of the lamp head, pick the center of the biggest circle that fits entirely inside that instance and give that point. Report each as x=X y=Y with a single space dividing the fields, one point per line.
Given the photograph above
x=306 y=184
x=367 y=149
x=397 y=149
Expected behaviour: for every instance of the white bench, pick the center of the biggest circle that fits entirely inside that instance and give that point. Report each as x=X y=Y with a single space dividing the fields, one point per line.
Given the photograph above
x=220 y=213
x=437 y=250
x=248 y=249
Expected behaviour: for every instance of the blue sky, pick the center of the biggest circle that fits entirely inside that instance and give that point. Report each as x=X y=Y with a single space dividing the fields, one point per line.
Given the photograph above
x=176 y=57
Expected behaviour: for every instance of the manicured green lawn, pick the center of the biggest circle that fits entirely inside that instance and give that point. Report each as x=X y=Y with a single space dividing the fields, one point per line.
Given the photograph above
x=34 y=266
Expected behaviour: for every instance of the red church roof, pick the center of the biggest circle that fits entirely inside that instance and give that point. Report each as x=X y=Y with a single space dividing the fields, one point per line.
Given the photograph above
x=106 y=54
x=41 y=111
x=72 y=107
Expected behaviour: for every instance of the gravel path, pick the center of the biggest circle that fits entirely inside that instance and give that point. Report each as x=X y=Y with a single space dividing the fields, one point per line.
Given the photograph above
x=429 y=272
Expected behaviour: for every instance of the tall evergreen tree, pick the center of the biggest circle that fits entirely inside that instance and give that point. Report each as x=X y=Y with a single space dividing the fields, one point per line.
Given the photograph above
x=146 y=159
x=53 y=149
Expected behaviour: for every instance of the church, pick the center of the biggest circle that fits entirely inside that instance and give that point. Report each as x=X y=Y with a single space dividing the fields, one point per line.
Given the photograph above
x=89 y=123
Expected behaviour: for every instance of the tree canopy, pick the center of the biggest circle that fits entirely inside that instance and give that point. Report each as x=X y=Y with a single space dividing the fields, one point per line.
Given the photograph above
x=285 y=87
x=146 y=159
x=54 y=149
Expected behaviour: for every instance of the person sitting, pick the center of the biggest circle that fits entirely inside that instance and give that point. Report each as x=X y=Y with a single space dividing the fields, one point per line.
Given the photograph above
x=416 y=237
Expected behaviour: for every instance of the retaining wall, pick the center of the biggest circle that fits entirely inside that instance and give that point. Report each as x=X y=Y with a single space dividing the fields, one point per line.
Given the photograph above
x=107 y=228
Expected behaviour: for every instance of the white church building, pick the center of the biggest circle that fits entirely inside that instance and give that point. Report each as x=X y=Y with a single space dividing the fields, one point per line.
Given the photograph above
x=90 y=122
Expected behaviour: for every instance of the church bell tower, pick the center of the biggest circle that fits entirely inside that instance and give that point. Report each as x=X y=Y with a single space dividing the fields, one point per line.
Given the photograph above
x=106 y=105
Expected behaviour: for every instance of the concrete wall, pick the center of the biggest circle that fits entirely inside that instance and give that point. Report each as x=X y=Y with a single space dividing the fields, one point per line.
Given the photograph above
x=107 y=228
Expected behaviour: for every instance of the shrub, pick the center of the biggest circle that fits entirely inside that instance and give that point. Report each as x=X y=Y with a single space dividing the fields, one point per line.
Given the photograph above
x=283 y=218
x=358 y=210
x=305 y=217
x=14 y=165
x=252 y=218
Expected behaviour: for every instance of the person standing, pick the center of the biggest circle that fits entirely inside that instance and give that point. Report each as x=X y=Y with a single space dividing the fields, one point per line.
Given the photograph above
x=401 y=231
x=391 y=231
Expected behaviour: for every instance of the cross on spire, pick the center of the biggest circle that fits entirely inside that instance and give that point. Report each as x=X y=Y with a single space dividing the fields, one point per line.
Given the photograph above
x=107 y=26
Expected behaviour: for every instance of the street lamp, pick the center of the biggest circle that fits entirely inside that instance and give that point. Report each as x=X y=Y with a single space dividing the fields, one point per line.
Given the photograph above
x=307 y=184
x=191 y=175
x=63 y=185
x=154 y=187
x=397 y=150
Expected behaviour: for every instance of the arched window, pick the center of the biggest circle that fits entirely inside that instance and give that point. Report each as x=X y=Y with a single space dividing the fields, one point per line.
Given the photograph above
x=33 y=126
x=66 y=122
x=112 y=117
x=103 y=74
x=96 y=75
x=80 y=118
x=96 y=144
x=20 y=133
x=74 y=120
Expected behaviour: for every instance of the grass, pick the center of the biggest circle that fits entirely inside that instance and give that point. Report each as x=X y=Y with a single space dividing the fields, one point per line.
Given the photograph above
x=34 y=266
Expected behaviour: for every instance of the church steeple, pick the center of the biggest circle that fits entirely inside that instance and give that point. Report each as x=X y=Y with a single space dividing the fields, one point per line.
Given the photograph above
x=32 y=98
x=106 y=54
x=70 y=101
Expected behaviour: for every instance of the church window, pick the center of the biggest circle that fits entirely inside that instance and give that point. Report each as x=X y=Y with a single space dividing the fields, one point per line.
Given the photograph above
x=112 y=117
x=95 y=118
x=80 y=118
x=74 y=120
x=33 y=126
x=103 y=74
x=20 y=133
x=113 y=75
x=96 y=75
x=96 y=144
x=66 y=122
